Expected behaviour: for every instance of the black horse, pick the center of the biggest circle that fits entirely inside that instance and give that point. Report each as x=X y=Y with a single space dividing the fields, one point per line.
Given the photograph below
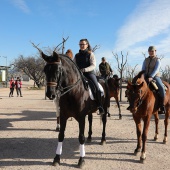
x=113 y=83
x=63 y=76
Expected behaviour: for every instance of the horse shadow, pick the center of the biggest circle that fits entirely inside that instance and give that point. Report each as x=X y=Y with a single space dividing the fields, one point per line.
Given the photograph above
x=33 y=151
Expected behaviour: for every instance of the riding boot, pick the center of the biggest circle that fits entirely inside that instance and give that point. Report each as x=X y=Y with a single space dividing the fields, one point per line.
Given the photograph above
x=99 y=103
x=162 y=106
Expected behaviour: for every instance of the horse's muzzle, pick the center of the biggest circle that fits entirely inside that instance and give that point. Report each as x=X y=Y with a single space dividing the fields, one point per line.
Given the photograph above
x=50 y=93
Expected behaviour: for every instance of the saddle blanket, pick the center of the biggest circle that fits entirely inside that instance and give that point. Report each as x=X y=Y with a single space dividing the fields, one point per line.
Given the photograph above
x=101 y=90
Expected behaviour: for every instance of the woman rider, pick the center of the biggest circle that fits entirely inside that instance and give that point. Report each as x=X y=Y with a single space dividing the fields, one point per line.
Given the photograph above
x=151 y=65
x=86 y=62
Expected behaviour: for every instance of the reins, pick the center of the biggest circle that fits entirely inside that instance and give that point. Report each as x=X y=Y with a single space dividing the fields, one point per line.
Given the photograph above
x=59 y=88
x=140 y=101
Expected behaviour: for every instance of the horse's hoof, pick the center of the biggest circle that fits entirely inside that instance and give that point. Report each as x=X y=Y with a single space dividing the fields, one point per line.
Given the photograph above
x=155 y=138
x=88 y=140
x=120 y=117
x=164 y=141
x=56 y=162
x=81 y=163
x=142 y=160
x=103 y=142
x=57 y=129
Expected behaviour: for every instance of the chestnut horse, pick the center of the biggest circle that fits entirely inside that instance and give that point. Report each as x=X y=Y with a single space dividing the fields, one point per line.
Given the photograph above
x=69 y=53
x=64 y=78
x=144 y=103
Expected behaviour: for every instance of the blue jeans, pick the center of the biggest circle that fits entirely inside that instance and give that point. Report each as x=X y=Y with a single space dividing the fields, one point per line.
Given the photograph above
x=93 y=78
x=160 y=86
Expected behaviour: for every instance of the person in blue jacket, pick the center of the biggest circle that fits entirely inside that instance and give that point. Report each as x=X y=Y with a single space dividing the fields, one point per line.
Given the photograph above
x=152 y=65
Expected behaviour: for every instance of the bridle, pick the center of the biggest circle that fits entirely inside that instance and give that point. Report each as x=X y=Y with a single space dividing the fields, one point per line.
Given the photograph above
x=60 y=90
x=141 y=97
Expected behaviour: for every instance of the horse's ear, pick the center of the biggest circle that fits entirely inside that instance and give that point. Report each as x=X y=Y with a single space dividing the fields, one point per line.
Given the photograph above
x=45 y=57
x=141 y=74
x=55 y=55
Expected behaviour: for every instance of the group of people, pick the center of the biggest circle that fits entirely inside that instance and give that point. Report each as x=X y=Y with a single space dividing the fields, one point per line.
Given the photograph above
x=17 y=84
x=86 y=62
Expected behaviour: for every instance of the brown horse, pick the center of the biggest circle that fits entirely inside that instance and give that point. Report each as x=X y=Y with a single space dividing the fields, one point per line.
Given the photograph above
x=144 y=103
x=69 y=53
x=114 y=87
x=64 y=78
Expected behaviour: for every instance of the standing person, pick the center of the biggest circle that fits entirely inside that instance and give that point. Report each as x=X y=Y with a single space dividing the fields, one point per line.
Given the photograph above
x=86 y=62
x=151 y=65
x=105 y=68
x=11 y=86
x=18 y=85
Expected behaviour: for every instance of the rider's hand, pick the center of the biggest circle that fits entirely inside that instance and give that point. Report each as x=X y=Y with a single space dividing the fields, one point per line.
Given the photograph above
x=150 y=79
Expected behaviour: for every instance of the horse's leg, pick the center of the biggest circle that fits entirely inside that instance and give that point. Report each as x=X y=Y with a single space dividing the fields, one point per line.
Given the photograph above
x=144 y=138
x=156 y=125
x=90 y=119
x=58 y=124
x=81 y=161
x=108 y=111
x=56 y=160
x=138 y=132
x=56 y=101
x=117 y=101
x=104 y=120
x=167 y=114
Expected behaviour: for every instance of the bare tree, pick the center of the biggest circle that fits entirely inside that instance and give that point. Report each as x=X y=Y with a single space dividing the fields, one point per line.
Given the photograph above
x=166 y=74
x=32 y=66
x=121 y=67
x=95 y=48
x=130 y=71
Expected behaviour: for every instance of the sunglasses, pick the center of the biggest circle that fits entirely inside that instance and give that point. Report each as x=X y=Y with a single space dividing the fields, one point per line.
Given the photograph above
x=82 y=44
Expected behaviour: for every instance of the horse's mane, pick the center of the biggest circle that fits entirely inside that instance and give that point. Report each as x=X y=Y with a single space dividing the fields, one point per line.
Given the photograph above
x=73 y=64
x=140 y=75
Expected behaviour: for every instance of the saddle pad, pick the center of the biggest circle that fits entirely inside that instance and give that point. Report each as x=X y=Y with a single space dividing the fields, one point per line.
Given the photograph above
x=101 y=89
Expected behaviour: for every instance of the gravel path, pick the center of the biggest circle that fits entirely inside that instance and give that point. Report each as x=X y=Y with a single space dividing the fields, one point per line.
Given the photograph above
x=28 y=139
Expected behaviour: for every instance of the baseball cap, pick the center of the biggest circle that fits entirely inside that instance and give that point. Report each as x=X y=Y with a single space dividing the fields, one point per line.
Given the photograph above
x=152 y=48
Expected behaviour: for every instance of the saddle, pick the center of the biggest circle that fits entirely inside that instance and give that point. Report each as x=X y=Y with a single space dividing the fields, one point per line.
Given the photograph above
x=93 y=91
x=88 y=85
x=152 y=85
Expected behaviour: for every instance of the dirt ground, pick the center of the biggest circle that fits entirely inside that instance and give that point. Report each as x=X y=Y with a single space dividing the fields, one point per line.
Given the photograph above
x=28 y=139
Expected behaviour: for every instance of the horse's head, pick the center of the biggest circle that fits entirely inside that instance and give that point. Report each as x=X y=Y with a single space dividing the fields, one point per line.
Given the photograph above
x=69 y=53
x=136 y=92
x=53 y=71
x=114 y=85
